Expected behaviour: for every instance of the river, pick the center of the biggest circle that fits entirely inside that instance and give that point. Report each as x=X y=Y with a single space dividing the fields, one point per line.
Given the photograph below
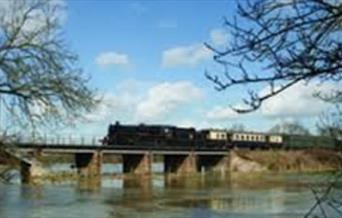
x=207 y=195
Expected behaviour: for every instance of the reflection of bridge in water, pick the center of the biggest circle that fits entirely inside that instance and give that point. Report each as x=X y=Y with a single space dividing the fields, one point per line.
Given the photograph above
x=135 y=160
x=209 y=191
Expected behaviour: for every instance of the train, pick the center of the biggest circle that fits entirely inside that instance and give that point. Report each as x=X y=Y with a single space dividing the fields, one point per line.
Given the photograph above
x=173 y=137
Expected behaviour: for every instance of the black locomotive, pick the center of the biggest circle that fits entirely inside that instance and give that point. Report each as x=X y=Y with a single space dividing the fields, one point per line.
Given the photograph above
x=151 y=136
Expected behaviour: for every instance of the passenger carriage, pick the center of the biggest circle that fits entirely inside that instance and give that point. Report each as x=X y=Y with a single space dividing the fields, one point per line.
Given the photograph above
x=250 y=140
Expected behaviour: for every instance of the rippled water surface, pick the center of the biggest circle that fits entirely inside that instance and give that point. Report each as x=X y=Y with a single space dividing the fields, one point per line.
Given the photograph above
x=209 y=195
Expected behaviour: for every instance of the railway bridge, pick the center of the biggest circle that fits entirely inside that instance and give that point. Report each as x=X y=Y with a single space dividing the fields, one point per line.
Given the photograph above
x=137 y=160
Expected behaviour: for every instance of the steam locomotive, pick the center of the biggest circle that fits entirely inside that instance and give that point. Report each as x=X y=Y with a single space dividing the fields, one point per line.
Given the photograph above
x=172 y=137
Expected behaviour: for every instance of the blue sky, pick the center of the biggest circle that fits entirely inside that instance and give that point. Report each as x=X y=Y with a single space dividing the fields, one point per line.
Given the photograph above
x=147 y=60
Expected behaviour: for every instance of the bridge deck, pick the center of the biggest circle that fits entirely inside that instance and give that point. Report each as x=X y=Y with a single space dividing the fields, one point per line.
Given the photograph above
x=120 y=149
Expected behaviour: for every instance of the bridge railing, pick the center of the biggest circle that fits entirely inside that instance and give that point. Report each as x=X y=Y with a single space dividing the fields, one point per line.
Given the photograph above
x=61 y=140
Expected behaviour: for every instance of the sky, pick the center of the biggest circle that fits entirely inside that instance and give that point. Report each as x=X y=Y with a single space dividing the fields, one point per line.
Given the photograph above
x=147 y=61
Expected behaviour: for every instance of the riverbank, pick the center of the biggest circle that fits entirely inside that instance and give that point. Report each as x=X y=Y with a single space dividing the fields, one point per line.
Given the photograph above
x=286 y=161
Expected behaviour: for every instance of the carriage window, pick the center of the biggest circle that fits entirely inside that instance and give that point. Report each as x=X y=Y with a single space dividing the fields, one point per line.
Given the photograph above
x=191 y=136
x=166 y=130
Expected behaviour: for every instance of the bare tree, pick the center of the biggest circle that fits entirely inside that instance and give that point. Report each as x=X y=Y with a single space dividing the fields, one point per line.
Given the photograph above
x=327 y=198
x=286 y=42
x=237 y=127
x=289 y=40
x=40 y=79
x=330 y=123
x=290 y=128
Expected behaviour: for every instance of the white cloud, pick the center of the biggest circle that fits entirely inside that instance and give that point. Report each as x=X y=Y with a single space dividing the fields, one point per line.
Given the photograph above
x=133 y=101
x=218 y=37
x=109 y=105
x=189 y=56
x=297 y=101
x=194 y=54
x=109 y=59
x=195 y=123
x=119 y=103
x=165 y=98
x=220 y=113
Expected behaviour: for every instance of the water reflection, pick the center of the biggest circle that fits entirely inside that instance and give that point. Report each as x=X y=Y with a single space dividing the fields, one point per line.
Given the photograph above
x=142 y=185
x=205 y=196
x=92 y=184
x=27 y=193
x=201 y=195
x=198 y=181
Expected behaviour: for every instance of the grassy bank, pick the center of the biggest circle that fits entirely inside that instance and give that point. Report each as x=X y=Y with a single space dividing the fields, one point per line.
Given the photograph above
x=299 y=160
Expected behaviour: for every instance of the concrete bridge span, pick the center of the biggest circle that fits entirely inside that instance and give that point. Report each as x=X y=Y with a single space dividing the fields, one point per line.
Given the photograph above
x=88 y=159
